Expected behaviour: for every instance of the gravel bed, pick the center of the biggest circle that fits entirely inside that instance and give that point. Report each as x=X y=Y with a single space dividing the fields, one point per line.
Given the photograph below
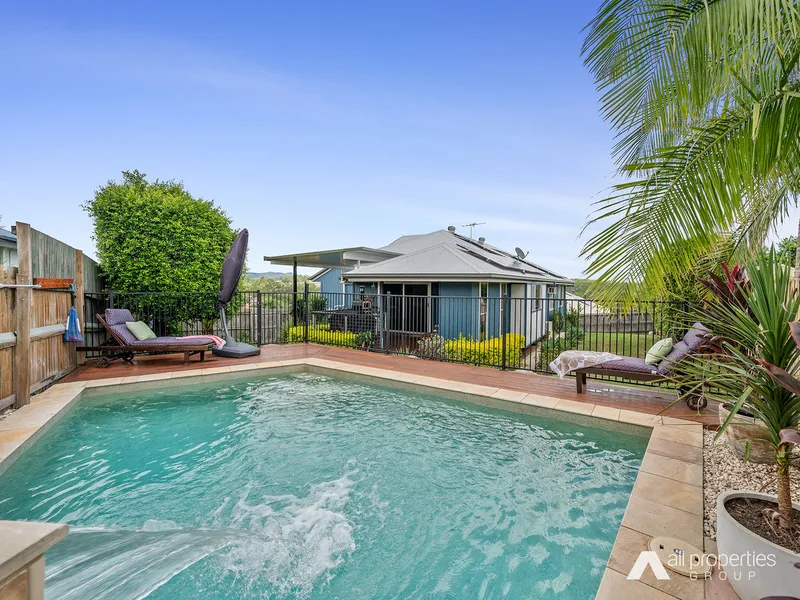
x=723 y=471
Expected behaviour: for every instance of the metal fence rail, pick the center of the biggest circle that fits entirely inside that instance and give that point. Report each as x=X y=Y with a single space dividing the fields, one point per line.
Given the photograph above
x=499 y=331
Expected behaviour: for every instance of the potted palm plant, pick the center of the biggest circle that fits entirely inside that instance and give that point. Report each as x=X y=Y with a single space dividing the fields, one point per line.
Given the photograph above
x=746 y=436
x=749 y=363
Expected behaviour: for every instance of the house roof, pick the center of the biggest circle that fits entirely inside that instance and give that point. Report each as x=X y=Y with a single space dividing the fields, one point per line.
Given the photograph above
x=7 y=239
x=336 y=258
x=447 y=255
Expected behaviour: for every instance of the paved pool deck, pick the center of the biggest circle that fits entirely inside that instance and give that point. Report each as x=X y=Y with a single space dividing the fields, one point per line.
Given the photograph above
x=648 y=400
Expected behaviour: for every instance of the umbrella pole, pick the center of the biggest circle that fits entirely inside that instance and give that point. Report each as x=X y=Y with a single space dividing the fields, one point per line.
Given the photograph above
x=223 y=318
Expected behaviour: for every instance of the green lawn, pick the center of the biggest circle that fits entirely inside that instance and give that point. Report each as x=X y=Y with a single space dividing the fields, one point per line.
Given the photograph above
x=624 y=344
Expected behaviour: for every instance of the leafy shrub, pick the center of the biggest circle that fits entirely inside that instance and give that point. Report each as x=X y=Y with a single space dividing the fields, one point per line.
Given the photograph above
x=488 y=352
x=365 y=340
x=434 y=347
x=573 y=336
x=548 y=351
x=567 y=334
x=316 y=302
x=154 y=236
x=563 y=322
x=322 y=335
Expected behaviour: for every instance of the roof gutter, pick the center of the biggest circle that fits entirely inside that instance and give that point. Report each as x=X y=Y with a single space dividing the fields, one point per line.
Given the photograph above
x=386 y=277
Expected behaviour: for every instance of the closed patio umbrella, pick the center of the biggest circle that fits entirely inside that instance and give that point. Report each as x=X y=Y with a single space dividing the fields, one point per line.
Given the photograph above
x=231 y=273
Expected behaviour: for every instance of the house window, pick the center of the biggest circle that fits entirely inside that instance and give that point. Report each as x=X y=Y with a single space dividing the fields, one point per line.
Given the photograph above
x=537 y=296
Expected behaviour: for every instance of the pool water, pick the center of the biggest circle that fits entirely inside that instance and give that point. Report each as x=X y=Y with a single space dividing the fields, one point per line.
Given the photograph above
x=308 y=486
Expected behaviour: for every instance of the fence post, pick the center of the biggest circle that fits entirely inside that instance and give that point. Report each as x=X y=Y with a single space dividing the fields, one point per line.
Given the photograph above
x=259 y=319
x=80 y=302
x=386 y=324
x=381 y=337
x=22 y=309
x=503 y=328
x=111 y=299
x=305 y=316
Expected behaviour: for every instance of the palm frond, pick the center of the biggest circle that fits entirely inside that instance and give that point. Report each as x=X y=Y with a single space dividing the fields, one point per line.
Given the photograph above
x=718 y=180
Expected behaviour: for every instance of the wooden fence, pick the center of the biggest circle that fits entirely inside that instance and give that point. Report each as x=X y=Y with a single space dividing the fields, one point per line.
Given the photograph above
x=32 y=321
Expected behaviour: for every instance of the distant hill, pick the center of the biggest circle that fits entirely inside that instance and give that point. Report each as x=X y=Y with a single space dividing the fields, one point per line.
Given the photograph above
x=588 y=288
x=267 y=275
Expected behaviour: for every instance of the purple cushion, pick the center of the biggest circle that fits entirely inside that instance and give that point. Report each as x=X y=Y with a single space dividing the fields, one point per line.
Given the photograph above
x=679 y=350
x=123 y=333
x=629 y=364
x=118 y=316
x=171 y=341
x=695 y=337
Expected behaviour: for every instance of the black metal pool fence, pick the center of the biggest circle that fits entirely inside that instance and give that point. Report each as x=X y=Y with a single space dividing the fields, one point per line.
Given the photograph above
x=500 y=331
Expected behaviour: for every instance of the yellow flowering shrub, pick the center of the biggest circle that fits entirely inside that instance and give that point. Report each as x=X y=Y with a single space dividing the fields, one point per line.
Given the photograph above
x=322 y=334
x=487 y=352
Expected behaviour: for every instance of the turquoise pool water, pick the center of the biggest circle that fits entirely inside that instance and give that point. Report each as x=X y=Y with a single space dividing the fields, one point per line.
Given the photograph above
x=307 y=486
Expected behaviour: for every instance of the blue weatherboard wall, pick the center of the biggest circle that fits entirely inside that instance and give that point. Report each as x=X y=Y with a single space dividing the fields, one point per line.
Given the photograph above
x=458 y=310
x=330 y=282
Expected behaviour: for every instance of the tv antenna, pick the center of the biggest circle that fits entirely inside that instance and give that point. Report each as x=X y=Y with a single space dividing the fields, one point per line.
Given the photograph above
x=520 y=254
x=471 y=226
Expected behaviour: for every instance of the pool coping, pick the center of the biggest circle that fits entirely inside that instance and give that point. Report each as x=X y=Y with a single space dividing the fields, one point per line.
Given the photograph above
x=667 y=496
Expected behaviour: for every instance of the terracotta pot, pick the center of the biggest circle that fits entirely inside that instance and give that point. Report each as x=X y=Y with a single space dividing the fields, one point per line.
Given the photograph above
x=743 y=428
x=756 y=568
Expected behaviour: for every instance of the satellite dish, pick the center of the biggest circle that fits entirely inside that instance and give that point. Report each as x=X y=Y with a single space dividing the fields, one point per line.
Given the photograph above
x=520 y=254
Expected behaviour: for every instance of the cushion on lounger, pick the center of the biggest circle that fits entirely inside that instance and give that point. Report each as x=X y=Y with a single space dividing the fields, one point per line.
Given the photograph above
x=678 y=351
x=695 y=337
x=118 y=316
x=658 y=351
x=629 y=364
x=140 y=330
x=172 y=341
x=123 y=333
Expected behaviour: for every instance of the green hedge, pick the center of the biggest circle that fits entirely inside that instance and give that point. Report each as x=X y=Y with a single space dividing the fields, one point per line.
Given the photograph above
x=322 y=334
x=487 y=352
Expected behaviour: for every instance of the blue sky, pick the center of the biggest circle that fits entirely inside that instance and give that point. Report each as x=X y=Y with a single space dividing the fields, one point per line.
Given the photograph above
x=313 y=123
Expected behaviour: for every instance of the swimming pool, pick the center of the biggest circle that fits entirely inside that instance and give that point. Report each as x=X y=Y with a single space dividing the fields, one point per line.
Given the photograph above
x=310 y=486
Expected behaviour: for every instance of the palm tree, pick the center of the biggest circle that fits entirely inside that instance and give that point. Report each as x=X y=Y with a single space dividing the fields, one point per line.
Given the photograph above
x=705 y=98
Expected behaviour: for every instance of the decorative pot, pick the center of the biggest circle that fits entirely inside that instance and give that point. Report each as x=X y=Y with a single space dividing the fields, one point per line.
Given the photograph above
x=744 y=427
x=755 y=567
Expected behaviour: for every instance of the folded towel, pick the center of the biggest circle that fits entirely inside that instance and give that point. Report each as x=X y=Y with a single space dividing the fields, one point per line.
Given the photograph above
x=217 y=340
x=571 y=360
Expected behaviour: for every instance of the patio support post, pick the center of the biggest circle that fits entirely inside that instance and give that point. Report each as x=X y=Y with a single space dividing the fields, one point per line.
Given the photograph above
x=294 y=292
x=306 y=311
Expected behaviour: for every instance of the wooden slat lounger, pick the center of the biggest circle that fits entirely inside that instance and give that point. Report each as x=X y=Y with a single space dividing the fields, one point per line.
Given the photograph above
x=126 y=351
x=635 y=369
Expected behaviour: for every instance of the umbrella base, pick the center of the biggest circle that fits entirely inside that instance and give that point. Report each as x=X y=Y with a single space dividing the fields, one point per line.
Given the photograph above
x=236 y=350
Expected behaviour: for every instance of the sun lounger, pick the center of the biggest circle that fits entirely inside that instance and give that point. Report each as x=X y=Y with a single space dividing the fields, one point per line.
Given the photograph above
x=127 y=346
x=636 y=369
